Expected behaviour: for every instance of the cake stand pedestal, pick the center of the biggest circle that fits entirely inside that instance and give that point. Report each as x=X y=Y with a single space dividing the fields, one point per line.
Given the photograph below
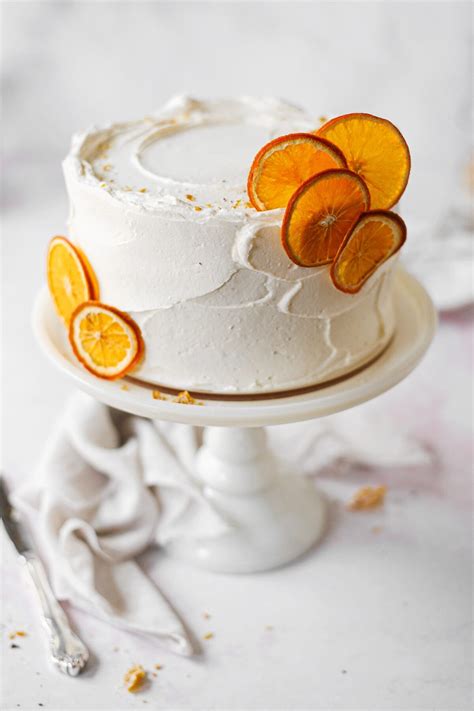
x=274 y=515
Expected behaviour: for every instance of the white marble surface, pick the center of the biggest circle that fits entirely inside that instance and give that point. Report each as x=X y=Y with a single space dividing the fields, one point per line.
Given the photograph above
x=370 y=620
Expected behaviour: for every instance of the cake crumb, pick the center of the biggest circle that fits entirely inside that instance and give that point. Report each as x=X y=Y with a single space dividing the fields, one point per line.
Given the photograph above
x=127 y=188
x=107 y=167
x=190 y=197
x=143 y=190
x=124 y=386
x=184 y=398
x=376 y=529
x=323 y=119
x=209 y=204
x=16 y=633
x=197 y=208
x=134 y=678
x=102 y=149
x=208 y=635
x=248 y=205
x=236 y=204
x=157 y=395
x=103 y=185
x=368 y=497
x=158 y=666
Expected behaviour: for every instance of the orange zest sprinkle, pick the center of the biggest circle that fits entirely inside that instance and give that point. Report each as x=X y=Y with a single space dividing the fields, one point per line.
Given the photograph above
x=17 y=633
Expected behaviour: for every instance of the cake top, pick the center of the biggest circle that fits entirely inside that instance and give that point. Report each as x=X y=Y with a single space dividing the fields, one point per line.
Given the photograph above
x=194 y=154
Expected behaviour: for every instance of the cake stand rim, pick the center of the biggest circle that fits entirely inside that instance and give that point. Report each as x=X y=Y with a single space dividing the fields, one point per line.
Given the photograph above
x=414 y=332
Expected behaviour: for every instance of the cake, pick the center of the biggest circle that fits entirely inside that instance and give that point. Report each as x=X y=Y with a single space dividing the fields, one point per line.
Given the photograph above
x=160 y=214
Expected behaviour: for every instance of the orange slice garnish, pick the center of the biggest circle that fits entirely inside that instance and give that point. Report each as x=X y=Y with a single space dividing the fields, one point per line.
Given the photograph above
x=70 y=277
x=375 y=237
x=282 y=165
x=374 y=149
x=105 y=340
x=320 y=214
x=90 y=273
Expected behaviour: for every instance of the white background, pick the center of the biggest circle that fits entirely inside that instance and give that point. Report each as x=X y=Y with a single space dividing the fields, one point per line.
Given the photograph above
x=392 y=613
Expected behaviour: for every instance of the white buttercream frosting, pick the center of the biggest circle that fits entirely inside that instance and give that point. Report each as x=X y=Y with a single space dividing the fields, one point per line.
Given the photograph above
x=220 y=305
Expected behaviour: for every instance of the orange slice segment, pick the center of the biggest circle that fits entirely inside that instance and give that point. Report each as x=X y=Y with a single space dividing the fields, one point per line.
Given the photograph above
x=320 y=214
x=282 y=165
x=105 y=340
x=374 y=149
x=376 y=236
x=70 y=277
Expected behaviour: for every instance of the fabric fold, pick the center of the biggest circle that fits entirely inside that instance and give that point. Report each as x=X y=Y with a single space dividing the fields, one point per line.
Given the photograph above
x=109 y=485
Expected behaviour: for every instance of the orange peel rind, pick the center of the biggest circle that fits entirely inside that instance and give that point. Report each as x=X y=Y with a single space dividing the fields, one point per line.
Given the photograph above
x=283 y=164
x=105 y=340
x=374 y=149
x=95 y=291
x=376 y=236
x=320 y=214
x=71 y=279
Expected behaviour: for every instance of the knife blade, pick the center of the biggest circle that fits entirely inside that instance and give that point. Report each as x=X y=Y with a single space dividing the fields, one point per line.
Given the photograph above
x=16 y=532
x=67 y=650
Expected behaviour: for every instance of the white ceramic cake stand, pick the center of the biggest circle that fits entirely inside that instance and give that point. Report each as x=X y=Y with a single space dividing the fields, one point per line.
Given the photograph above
x=275 y=517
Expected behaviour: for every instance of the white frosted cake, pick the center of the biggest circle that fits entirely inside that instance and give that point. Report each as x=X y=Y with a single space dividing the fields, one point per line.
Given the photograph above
x=161 y=210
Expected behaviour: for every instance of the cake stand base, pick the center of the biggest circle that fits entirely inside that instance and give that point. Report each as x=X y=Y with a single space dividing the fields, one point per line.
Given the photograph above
x=273 y=517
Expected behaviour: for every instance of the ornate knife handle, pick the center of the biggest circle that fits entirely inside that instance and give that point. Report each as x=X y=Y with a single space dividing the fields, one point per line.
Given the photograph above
x=67 y=650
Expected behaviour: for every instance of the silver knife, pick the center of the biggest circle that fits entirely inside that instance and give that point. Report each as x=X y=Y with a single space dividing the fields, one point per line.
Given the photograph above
x=67 y=650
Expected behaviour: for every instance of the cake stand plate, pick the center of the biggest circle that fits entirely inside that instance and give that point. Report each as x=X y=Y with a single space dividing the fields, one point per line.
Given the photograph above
x=274 y=517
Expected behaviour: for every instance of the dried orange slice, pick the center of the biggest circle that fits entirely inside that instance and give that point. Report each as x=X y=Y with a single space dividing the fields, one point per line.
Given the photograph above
x=376 y=236
x=374 y=149
x=90 y=273
x=320 y=214
x=283 y=164
x=106 y=341
x=70 y=277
